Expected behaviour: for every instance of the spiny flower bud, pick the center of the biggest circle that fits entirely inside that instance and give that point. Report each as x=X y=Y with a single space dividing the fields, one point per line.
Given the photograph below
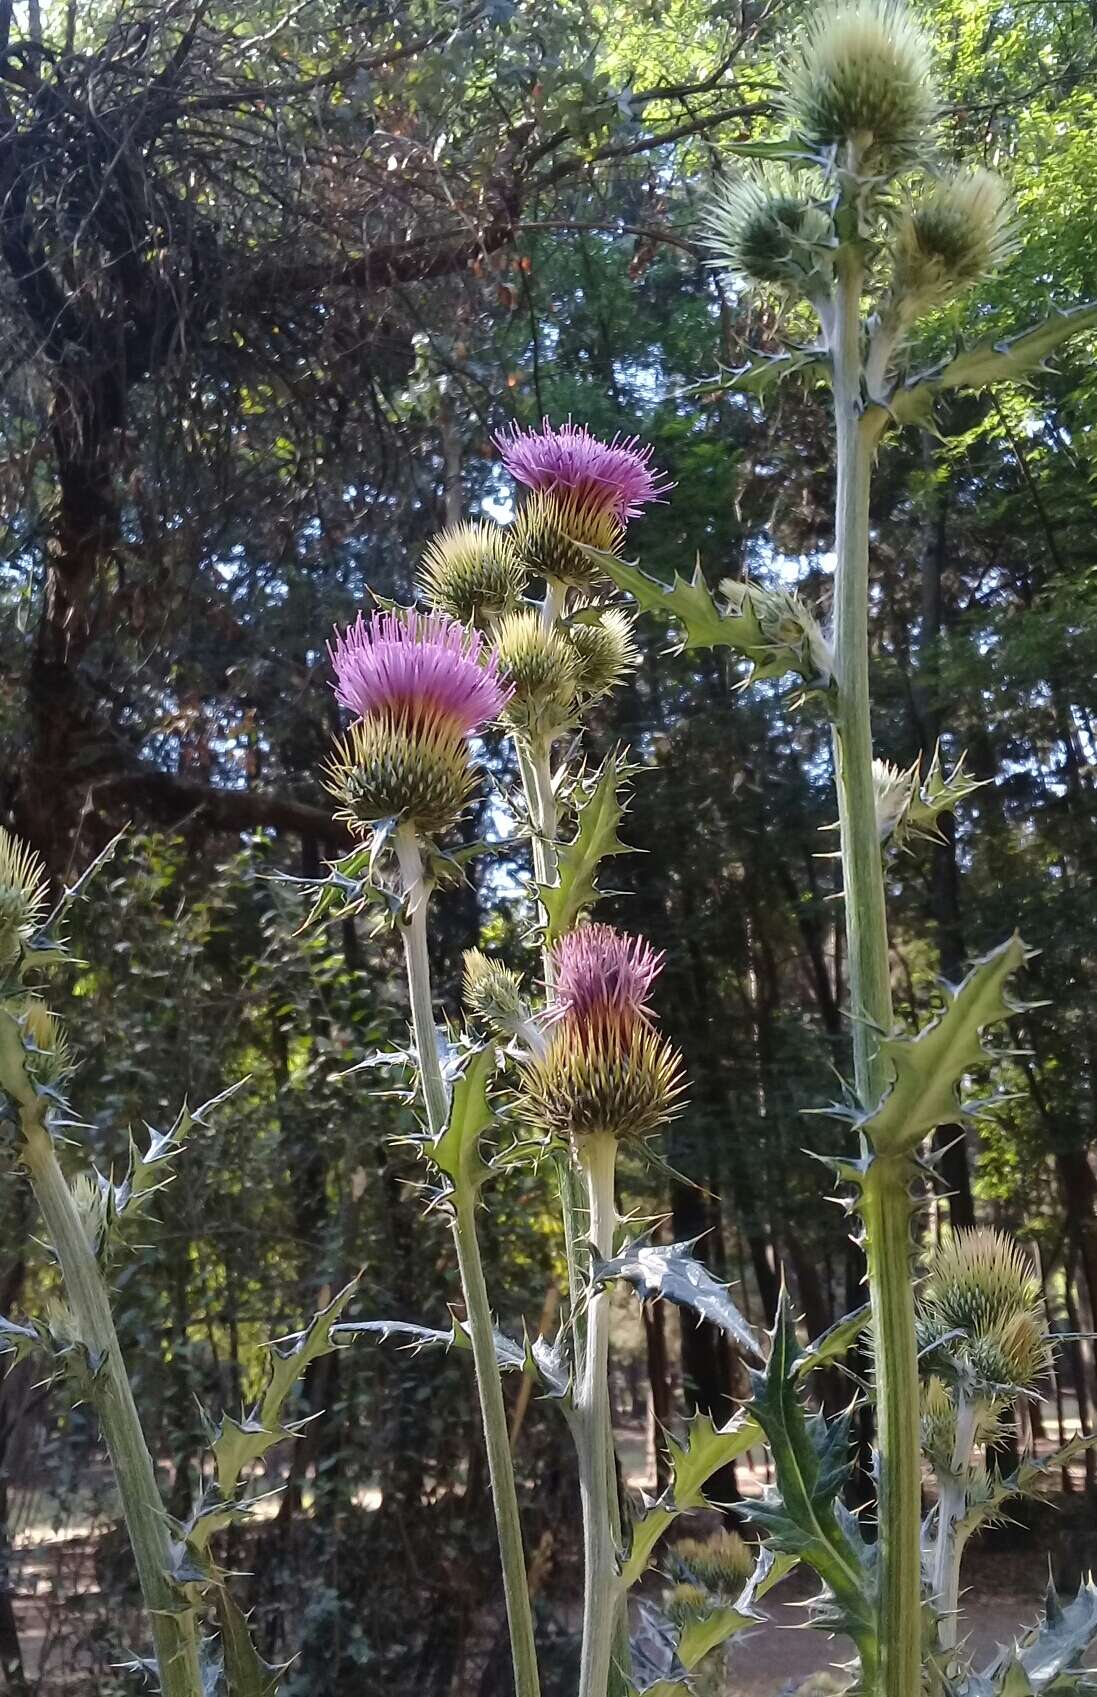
x=722 y=1564
x=957 y=232
x=422 y=687
x=605 y=651
x=48 y=1059
x=687 y=1603
x=583 y=492
x=861 y=75
x=762 y=225
x=472 y=572
x=493 y=993
x=1012 y=1354
x=88 y=1199
x=22 y=896
x=540 y=666
x=980 y=1285
x=605 y=1068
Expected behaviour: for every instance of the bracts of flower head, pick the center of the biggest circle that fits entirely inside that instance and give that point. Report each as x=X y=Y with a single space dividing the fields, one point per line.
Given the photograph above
x=605 y=1075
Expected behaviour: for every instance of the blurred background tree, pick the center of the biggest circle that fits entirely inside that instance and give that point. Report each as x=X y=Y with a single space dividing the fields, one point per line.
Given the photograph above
x=270 y=276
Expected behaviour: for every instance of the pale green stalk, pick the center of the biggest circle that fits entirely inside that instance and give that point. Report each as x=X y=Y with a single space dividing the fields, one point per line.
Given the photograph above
x=473 y=1284
x=949 y=1544
x=603 y=1590
x=886 y=1198
x=173 y=1623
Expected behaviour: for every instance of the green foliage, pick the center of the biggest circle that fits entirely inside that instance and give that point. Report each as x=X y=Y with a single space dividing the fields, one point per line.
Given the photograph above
x=599 y=810
x=929 y=1067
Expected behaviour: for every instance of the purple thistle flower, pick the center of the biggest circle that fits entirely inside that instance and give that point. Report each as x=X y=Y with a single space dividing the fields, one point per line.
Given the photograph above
x=427 y=670
x=602 y=975
x=615 y=476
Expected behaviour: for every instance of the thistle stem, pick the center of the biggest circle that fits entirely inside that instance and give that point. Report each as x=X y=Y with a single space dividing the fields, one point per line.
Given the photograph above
x=886 y=1201
x=174 y=1625
x=481 y=1327
x=602 y=1587
x=951 y=1503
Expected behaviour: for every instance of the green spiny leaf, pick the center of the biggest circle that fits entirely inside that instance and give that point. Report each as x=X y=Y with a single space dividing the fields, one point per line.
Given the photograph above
x=246 y=1673
x=691 y=605
x=669 y=1270
x=456 y=1151
x=706 y=1449
x=811 y=1462
x=595 y=838
x=927 y=1069
x=834 y=1343
x=992 y=362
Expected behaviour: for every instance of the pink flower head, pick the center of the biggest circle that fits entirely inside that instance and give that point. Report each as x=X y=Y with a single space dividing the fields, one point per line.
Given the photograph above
x=615 y=476
x=601 y=974
x=423 y=668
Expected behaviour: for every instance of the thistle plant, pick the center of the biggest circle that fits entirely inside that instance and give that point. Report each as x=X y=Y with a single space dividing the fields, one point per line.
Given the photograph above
x=560 y=1061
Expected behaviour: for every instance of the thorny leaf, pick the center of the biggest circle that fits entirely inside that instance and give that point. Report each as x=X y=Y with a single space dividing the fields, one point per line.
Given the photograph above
x=669 y=1270
x=577 y=861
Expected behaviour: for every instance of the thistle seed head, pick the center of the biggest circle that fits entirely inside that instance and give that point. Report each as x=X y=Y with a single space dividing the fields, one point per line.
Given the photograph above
x=390 y=768
x=493 y=993
x=540 y=667
x=472 y=573
x=22 y=896
x=605 y=652
x=958 y=231
x=762 y=225
x=861 y=74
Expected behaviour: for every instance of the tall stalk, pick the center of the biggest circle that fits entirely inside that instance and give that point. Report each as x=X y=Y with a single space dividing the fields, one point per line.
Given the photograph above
x=173 y=1624
x=602 y=1590
x=886 y=1198
x=473 y=1284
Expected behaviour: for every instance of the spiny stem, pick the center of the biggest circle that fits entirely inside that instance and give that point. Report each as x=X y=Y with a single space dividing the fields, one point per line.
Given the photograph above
x=951 y=1503
x=602 y=1588
x=174 y=1625
x=473 y=1284
x=888 y=1184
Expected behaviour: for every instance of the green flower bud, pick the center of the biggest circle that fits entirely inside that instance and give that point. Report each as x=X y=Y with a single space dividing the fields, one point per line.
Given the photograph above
x=88 y=1199
x=861 y=75
x=540 y=664
x=493 y=993
x=382 y=769
x=980 y=1285
x=604 y=650
x=722 y=1564
x=549 y=525
x=48 y=1060
x=472 y=572
x=957 y=232
x=687 y=1603
x=762 y=225
x=22 y=896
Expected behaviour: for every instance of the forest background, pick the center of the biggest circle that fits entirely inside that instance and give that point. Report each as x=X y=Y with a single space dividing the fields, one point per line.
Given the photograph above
x=271 y=276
